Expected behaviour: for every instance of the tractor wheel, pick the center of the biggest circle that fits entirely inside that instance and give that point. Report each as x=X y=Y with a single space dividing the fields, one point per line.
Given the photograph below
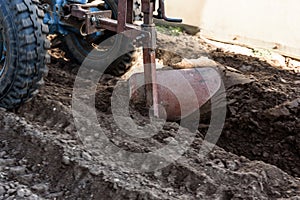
x=23 y=53
x=79 y=47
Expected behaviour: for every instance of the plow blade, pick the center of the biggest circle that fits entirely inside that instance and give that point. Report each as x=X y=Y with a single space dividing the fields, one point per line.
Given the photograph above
x=179 y=92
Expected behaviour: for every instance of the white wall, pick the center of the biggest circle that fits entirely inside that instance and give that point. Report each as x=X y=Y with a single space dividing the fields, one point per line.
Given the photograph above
x=189 y=10
x=260 y=23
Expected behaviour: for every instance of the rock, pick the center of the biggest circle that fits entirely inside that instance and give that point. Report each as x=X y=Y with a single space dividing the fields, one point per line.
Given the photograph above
x=66 y=160
x=10 y=198
x=18 y=170
x=6 y=187
x=26 y=177
x=2 y=190
x=282 y=109
x=86 y=156
x=2 y=153
x=7 y=162
x=246 y=68
x=265 y=154
x=96 y=172
x=33 y=197
x=293 y=65
x=276 y=59
x=200 y=62
x=293 y=104
x=283 y=80
x=10 y=191
x=40 y=188
x=232 y=165
x=277 y=112
x=24 y=192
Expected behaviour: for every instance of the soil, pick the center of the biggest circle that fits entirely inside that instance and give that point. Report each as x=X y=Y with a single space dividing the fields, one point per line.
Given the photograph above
x=257 y=157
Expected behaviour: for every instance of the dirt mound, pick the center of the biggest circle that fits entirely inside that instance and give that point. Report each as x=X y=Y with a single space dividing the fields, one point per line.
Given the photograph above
x=263 y=121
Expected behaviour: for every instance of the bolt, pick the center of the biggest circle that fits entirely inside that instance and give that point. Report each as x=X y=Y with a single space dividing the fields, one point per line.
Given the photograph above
x=94 y=19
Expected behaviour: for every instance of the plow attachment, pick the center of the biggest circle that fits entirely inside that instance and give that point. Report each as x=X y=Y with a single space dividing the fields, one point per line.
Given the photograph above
x=172 y=94
x=176 y=93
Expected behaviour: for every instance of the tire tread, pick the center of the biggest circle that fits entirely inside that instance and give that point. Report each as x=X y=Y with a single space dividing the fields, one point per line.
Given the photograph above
x=31 y=58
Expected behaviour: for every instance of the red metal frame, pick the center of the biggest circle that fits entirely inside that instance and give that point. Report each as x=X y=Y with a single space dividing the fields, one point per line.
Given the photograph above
x=124 y=22
x=200 y=84
x=102 y=20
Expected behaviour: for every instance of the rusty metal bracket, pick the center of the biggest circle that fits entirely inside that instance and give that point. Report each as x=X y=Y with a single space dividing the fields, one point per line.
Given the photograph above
x=96 y=21
x=92 y=21
x=78 y=12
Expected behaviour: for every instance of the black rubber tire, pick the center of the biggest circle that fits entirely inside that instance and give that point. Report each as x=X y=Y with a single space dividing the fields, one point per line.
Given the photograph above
x=26 y=51
x=79 y=48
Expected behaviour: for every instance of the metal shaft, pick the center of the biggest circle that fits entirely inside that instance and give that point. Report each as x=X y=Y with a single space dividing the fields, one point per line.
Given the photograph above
x=149 y=57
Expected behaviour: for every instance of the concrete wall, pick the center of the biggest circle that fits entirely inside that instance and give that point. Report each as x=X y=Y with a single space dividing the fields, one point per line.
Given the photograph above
x=189 y=10
x=272 y=24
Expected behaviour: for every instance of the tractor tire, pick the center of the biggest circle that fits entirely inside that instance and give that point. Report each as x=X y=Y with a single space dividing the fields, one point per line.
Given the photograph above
x=79 y=48
x=23 y=51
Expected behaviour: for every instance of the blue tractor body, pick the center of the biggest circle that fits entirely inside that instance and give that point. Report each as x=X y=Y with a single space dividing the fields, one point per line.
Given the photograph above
x=54 y=12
